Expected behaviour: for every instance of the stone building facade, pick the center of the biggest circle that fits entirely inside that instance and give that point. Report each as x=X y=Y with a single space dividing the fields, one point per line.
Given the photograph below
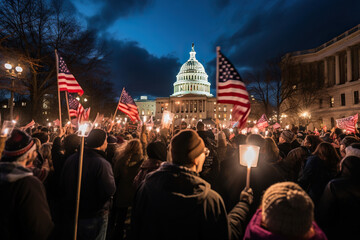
x=335 y=66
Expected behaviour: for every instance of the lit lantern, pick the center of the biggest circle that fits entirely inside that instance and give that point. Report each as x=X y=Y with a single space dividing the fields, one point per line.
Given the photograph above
x=244 y=131
x=266 y=133
x=157 y=130
x=7 y=128
x=249 y=156
x=84 y=129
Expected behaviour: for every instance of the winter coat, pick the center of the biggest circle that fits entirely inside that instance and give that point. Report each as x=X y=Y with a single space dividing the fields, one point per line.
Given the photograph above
x=340 y=202
x=175 y=203
x=24 y=209
x=124 y=179
x=284 y=148
x=255 y=231
x=97 y=184
x=314 y=177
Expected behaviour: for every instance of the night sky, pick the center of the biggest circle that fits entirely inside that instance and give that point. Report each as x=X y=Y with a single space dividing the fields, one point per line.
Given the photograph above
x=149 y=40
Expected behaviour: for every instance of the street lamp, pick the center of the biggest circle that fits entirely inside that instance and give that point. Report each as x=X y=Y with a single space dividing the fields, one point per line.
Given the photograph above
x=14 y=73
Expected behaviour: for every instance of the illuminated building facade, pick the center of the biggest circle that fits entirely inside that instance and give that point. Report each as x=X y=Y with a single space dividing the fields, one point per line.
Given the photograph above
x=192 y=99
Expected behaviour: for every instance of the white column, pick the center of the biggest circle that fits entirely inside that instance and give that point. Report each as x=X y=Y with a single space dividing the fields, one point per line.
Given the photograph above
x=326 y=74
x=348 y=65
x=337 y=69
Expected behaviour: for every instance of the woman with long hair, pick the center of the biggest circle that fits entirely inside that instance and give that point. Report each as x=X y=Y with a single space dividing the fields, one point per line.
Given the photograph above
x=126 y=166
x=319 y=169
x=311 y=142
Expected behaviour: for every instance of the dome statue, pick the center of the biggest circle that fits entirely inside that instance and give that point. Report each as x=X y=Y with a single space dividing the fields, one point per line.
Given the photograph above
x=192 y=78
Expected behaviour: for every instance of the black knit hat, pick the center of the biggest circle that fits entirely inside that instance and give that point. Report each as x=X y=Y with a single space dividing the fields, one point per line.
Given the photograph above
x=156 y=150
x=96 y=138
x=186 y=146
x=17 y=146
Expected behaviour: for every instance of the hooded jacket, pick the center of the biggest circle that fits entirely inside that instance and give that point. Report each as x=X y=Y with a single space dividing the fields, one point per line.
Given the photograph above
x=340 y=202
x=175 y=203
x=254 y=231
x=24 y=209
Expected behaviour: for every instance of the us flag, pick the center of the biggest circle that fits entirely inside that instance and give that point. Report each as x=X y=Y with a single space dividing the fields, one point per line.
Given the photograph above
x=128 y=106
x=66 y=80
x=231 y=89
x=75 y=107
x=263 y=122
x=348 y=124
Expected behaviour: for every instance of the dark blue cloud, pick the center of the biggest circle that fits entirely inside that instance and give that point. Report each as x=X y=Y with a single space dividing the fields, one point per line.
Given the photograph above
x=112 y=10
x=286 y=26
x=140 y=72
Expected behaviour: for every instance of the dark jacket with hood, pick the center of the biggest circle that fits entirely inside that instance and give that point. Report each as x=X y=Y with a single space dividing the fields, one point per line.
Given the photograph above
x=175 y=203
x=340 y=202
x=24 y=210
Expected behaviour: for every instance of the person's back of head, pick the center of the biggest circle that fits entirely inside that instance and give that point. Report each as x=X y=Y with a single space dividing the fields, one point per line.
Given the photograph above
x=338 y=132
x=270 y=150
x=200 y=126
x=157 y=150
x=255 y=139
x=128 y=155
x=18 y=147
x=327 y=153
x=71 y=144
x=311 y=142
x=42 y=136
x=287 y=136
x=186 y=146
x=97 y=139
x=287 y=210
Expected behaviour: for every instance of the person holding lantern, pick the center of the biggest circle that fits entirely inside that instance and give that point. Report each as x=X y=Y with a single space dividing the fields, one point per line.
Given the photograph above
x=174 y=202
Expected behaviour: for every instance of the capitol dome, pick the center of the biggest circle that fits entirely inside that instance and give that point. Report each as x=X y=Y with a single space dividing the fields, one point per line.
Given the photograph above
x=192 y=78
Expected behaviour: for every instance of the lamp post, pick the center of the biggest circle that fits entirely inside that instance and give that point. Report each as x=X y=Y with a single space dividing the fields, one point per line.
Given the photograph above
x=14 y=72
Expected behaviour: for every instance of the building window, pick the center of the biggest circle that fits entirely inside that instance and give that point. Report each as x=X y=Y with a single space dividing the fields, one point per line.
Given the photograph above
x=332 y=101
x=356 y=97
x=142 y=112
x=343 y=103
x=23 y=104
x=214 y=115
x=320 y=103
x=224 y=115
x=214 y=109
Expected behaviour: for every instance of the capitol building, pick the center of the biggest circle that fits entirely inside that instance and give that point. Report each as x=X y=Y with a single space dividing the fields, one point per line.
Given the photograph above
x=192 y=100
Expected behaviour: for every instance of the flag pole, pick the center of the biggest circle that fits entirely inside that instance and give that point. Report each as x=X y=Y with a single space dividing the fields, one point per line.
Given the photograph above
x=67 y=104
x=217 y=70
x=118 y=104
x=58 y=88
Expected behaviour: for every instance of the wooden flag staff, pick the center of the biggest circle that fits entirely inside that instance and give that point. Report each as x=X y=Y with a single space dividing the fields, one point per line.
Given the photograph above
x=58 y=88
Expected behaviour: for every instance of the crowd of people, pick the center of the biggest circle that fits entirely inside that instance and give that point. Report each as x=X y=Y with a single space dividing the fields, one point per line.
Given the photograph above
x=185 y=184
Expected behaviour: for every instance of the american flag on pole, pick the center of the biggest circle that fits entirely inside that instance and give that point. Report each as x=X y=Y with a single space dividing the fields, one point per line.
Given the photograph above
x=128 y=106
x=66 y=80
x=231 y=90
x=75 y=107
x=349 y=123
x=263 y=122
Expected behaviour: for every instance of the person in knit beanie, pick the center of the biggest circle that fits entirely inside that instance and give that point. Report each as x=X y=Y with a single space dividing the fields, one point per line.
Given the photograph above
x=25 y=212
x=286 y=212
x=285 y=140
x=175 y=197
